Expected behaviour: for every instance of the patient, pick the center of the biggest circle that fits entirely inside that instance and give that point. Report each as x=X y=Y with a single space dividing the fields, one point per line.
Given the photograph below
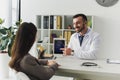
x=22 y=61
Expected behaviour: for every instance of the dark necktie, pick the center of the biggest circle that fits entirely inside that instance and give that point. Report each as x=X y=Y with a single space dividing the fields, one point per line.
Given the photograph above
x=81 y=39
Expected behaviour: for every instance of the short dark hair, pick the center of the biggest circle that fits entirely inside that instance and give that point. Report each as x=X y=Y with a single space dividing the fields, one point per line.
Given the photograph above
x=81 y=15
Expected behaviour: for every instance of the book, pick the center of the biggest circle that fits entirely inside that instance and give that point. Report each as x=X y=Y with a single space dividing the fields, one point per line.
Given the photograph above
x=55 y=22
x=52 y=36
x=67 y=35
x=51 y=22
x=59 y=22
x=46 y=22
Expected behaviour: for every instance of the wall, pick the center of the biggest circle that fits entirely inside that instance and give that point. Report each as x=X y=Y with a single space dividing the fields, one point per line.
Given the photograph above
x=106 y=22
x=6 y=12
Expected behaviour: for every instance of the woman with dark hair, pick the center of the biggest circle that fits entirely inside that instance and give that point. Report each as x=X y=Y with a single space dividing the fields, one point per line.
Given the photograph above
x=22 y=61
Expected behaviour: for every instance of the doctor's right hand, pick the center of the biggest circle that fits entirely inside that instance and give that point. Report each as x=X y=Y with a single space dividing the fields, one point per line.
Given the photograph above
x=66 y=51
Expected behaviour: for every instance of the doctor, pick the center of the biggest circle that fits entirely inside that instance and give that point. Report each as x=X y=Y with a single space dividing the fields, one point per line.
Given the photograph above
x=84 y=44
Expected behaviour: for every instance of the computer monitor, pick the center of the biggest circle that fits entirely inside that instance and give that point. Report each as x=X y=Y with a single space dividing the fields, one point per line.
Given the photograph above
x=57 y=44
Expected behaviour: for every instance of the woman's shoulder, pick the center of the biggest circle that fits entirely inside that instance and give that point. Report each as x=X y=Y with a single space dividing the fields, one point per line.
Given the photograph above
x=28 y=59
x=28 y=56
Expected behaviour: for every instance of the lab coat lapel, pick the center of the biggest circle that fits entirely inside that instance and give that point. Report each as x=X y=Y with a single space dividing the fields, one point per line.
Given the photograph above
x=86 y=38
x=77 y=41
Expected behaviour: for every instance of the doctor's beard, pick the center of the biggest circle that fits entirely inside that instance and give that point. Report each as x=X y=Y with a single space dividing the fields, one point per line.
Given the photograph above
x=80 y=29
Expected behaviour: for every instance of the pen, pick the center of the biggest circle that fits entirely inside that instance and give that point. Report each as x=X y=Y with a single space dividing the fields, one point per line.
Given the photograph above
x=54 y=58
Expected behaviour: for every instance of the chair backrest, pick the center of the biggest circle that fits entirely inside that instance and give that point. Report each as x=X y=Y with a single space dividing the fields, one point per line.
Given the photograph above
x=18 y=75
x=21 y=76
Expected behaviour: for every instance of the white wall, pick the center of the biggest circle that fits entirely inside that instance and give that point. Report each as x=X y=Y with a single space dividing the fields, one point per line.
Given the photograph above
x=107 y=19
x=6 y=12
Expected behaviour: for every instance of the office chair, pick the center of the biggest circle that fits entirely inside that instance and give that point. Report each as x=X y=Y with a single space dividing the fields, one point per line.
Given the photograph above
x=21 y=76
x=18 y=75
x=61 y=78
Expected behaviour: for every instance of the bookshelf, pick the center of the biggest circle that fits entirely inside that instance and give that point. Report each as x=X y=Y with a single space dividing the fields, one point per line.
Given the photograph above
x=55 y=26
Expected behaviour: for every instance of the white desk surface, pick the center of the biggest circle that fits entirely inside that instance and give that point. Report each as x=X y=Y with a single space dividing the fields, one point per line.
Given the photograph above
x=70 y=64
x=9 y=78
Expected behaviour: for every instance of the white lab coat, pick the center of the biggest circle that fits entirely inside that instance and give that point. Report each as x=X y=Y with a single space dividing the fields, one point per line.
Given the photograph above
x=89 y=47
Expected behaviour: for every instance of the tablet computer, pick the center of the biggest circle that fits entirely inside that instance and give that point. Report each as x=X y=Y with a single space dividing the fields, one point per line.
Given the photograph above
x=57 y=44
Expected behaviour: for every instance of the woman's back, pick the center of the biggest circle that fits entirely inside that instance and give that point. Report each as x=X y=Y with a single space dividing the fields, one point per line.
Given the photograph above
x=34 y=68
x=22 y=61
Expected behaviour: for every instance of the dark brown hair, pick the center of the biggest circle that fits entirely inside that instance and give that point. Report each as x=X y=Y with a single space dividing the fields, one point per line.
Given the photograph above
x=24 y=40
x=81 y=15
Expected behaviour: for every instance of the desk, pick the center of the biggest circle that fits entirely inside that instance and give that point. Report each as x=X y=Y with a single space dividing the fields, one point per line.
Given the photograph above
x=71 y=66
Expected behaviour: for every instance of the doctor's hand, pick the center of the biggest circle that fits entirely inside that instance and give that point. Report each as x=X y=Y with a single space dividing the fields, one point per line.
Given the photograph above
x=66 y=51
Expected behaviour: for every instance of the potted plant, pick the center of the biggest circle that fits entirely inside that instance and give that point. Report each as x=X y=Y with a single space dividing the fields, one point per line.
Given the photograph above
x=7 y=35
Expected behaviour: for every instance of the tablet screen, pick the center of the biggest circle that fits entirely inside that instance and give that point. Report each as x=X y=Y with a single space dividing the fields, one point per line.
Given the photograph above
x=57 y=44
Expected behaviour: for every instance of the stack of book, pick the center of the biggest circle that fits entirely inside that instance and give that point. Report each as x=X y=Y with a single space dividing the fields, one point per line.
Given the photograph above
x=55 y=22
x=67 y=35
